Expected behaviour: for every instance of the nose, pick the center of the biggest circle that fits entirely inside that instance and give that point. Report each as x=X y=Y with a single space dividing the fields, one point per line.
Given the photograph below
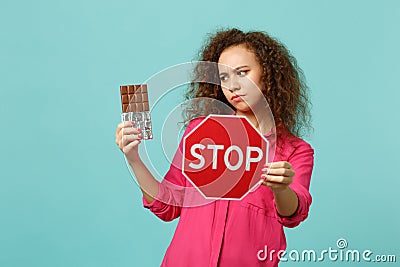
x=233 y=85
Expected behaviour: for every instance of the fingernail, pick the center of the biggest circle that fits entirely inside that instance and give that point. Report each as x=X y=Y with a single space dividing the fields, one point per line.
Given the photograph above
x=139 y=130
x=133 y=123
x=264 y=169
x=140 y=136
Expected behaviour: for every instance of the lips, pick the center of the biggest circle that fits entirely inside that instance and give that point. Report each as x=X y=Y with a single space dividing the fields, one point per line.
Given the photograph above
x=236 y=98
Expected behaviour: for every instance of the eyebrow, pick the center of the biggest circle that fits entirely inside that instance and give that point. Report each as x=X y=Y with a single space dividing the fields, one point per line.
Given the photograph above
x=240 y=67
x=237 y=68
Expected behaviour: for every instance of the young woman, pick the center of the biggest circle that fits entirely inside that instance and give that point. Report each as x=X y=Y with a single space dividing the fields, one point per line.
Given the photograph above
x=229 y=232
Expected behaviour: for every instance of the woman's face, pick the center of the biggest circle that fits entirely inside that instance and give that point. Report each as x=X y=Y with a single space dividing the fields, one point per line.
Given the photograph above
x=241 y=78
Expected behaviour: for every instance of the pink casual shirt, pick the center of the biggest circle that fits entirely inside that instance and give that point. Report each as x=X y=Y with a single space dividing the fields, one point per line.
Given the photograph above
x=232 y=232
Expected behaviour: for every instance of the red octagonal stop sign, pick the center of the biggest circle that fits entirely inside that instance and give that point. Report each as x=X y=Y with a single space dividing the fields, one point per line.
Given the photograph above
x=223 y=157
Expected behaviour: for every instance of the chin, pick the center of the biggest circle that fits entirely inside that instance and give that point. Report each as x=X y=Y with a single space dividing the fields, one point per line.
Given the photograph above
x=243 y=109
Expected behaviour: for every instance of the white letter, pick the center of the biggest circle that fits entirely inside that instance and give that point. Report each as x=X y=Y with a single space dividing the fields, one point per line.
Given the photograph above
x=240 y=160
x=366 y=255
x=196 y=155
x=215 y=149
x=249 y=158
x=330 y=254
x=271 y=255
x=262 y=251
x=281 y=255
x=355 y=255
x=296 y=254
x=310 y=253
x=321 y=258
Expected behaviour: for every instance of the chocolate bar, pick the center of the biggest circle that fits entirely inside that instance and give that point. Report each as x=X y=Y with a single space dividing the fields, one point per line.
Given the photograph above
x=135 y=107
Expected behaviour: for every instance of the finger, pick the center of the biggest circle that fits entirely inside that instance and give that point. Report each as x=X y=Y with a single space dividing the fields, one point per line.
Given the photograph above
x=118 y=135
x=127 y=124
x=130 y=138
x=118 y=140
x=119 y=127
x=279 y=164
x=131 y=130
x=272 y=185
x=130 y=146
x=280 y=171
x=123 y=124
x=277 y=179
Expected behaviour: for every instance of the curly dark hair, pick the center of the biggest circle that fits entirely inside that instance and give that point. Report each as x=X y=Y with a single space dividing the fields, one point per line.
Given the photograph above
x=284 y=84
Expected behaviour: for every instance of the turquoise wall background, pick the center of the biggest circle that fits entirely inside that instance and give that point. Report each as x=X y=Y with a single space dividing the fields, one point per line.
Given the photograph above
x=66 y=196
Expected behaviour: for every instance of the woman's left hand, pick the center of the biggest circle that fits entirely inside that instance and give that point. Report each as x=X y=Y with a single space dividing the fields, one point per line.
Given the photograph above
x=278 y=176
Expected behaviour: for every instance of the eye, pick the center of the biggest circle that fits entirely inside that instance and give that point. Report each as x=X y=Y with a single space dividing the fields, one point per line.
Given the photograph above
x=223 y=78
x=242 y=72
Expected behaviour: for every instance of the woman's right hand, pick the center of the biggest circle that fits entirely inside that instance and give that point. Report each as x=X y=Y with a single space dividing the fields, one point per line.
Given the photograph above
x=128 y=138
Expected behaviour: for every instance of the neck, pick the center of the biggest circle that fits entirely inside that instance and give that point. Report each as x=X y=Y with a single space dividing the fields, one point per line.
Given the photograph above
x=261 y=121
x=250 y=116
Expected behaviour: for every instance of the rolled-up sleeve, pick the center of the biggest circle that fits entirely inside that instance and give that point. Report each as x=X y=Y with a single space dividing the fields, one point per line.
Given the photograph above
x=167 y=204
x=169 y=200
x=302 y=161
